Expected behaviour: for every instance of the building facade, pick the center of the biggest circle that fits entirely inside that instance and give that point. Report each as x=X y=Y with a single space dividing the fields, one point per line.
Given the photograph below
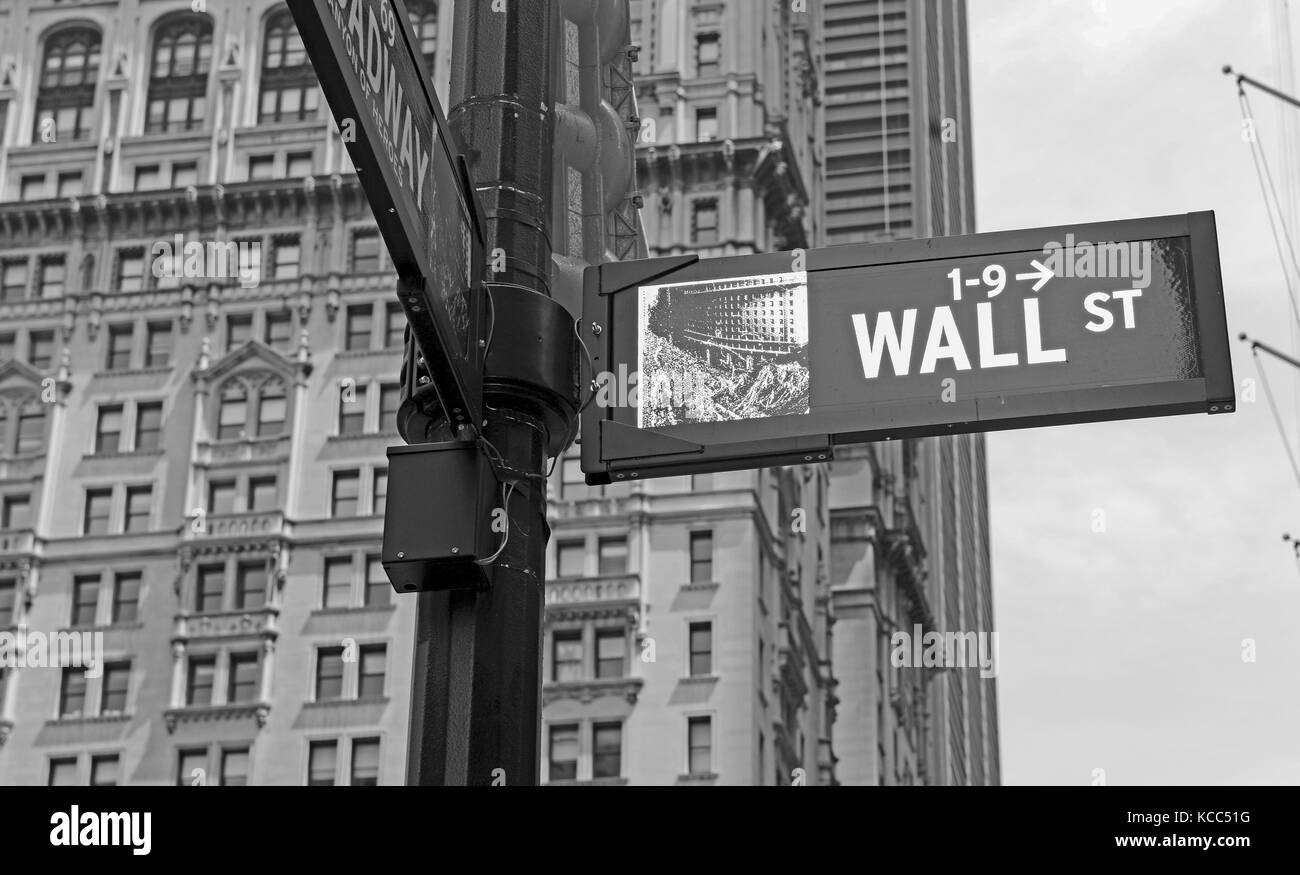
x=192 y=447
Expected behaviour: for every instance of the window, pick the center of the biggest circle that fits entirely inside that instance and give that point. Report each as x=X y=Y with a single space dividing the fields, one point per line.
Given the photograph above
x=245 y=678
x=16 y=512
x=70 y=184
x=572 y=481
x=158 y=345
x=250 y=585
x=701 y=635
x=394 y=325
x=272 y=406
x=564 y=752
x=40 y=353
x=329 y=673
x=108 y=429
x=346 y=492
x=104 y=770
x=701 y=557
x=338 y=583
x=239 y=330
x=365 y=252
x=610 y=651
x=126 y=596
x=390 y=398
x=191 y=766
x=232 y=415
x=370 y=682
x=148 y=426
x=424 y=23
x=704 y=223
x=72 y=692
x=286 y=256
x=279 y=330
x=32 y=187
x=365 y=762
x=66 y=96
x=298 y=165
x=13 y=280
x=261 y=167
x=380 y=492
x=8 y=599
x=130 y=271
x=263 y=493
x=211 y=589
x=178 y=77
x=571 y=556
x=202 y=678
x=117 y=678
x=707 y=54
x=63 y=772
x=85 y=599
x=6 y=346
x=352 y=409
x=139 y=502
x=148 y=177
x=322 y=763
x=98 y=502
x=613 y=556
x=289 y=90
x=31 y=431
x=53 y=276
x=378 y=590
x=185 y=174
x=358 y=327
x=567 y=652
x=221 y=496
x=608 y=758
x=700 y=744
x=234 y=767
x=119 y=347
x=706 y=123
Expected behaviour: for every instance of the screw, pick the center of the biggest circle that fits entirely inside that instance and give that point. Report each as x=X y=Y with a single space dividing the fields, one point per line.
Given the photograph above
x=596 y=329
x=423 y=380
x=1227 y=407
x=455 y=549
x=1214 y=408
x=401 y=555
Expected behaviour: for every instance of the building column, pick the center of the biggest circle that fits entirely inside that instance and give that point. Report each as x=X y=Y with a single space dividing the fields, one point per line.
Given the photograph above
x=178 y=675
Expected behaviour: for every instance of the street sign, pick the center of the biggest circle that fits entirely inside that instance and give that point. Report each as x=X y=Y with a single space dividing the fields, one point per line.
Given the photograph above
x=773 y=359
x=381 y=94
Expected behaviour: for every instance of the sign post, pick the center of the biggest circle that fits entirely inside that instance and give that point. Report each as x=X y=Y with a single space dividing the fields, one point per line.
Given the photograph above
x=773 y=359
x=382 y=98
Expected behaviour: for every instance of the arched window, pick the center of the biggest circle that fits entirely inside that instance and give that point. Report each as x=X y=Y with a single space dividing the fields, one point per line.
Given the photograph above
x=65 y=97
x=424 y=21
x=178 y=76
x=289 y=89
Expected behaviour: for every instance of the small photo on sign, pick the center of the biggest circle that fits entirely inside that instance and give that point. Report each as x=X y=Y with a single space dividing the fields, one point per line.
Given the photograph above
x=723 y=350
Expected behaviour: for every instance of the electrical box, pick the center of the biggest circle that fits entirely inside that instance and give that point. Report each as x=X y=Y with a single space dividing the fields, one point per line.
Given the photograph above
x=438 y=519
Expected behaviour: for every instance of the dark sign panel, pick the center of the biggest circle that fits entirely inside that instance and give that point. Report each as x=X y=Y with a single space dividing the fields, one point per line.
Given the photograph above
x=382 y=98
x=773 y=359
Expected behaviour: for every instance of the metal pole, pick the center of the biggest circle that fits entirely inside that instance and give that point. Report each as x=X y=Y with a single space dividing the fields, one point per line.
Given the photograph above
x=476 y=702
x=1280 y=95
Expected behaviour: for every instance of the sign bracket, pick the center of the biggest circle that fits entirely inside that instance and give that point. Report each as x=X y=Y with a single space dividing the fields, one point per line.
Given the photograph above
x=617 y=276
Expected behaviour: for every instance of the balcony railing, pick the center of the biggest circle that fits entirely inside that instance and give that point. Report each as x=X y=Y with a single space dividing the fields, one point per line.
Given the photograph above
x=588 y=590
x=18 y=541
x=228 y=624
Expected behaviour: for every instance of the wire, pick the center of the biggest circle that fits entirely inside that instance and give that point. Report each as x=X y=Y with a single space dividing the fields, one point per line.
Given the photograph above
x=1267 y=188
x=1277 y=418
x=507 y=491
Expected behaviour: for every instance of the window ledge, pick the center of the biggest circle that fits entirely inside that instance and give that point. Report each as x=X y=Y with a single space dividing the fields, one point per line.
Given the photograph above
x=123 y=454
x=697 y=778
x=589 y=690
x=117 y=717
x=196 y=713
x=362 y=353
x=365 y=435
x=334 y=703
x=133 y=372
x=101 y=627
x=698 y=587
x=700 y=679
x=590 y=782
x=353 y=610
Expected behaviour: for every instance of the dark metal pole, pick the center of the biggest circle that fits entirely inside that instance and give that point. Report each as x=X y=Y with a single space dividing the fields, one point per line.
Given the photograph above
x=476 y=703
x=1280 y=95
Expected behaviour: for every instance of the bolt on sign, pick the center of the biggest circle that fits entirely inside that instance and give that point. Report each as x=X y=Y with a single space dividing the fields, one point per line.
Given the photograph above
x=774 y=359
x=381 y=95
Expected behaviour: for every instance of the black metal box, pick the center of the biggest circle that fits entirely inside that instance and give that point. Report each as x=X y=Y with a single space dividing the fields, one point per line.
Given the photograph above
x=438 y=518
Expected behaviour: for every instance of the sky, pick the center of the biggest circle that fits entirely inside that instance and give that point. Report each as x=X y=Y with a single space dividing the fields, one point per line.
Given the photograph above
x=1122 y=651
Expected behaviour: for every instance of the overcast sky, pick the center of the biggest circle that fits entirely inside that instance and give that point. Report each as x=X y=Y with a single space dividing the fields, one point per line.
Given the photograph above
x=1122 y=650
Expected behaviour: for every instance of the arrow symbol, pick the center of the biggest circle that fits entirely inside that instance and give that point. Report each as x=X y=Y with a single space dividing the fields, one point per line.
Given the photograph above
x=1043 y=274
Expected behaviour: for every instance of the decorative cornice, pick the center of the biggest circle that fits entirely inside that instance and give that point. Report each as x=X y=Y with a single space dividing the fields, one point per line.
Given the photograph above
x=261 y=711
x=589 y=691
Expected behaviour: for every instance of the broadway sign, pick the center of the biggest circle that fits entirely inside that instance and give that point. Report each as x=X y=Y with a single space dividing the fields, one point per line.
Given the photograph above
x=774 y=359
x=380 y=92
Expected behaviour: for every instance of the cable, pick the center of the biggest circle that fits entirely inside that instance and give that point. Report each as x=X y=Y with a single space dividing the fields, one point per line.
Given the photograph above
x=1267 y=188
x=1277 y=418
